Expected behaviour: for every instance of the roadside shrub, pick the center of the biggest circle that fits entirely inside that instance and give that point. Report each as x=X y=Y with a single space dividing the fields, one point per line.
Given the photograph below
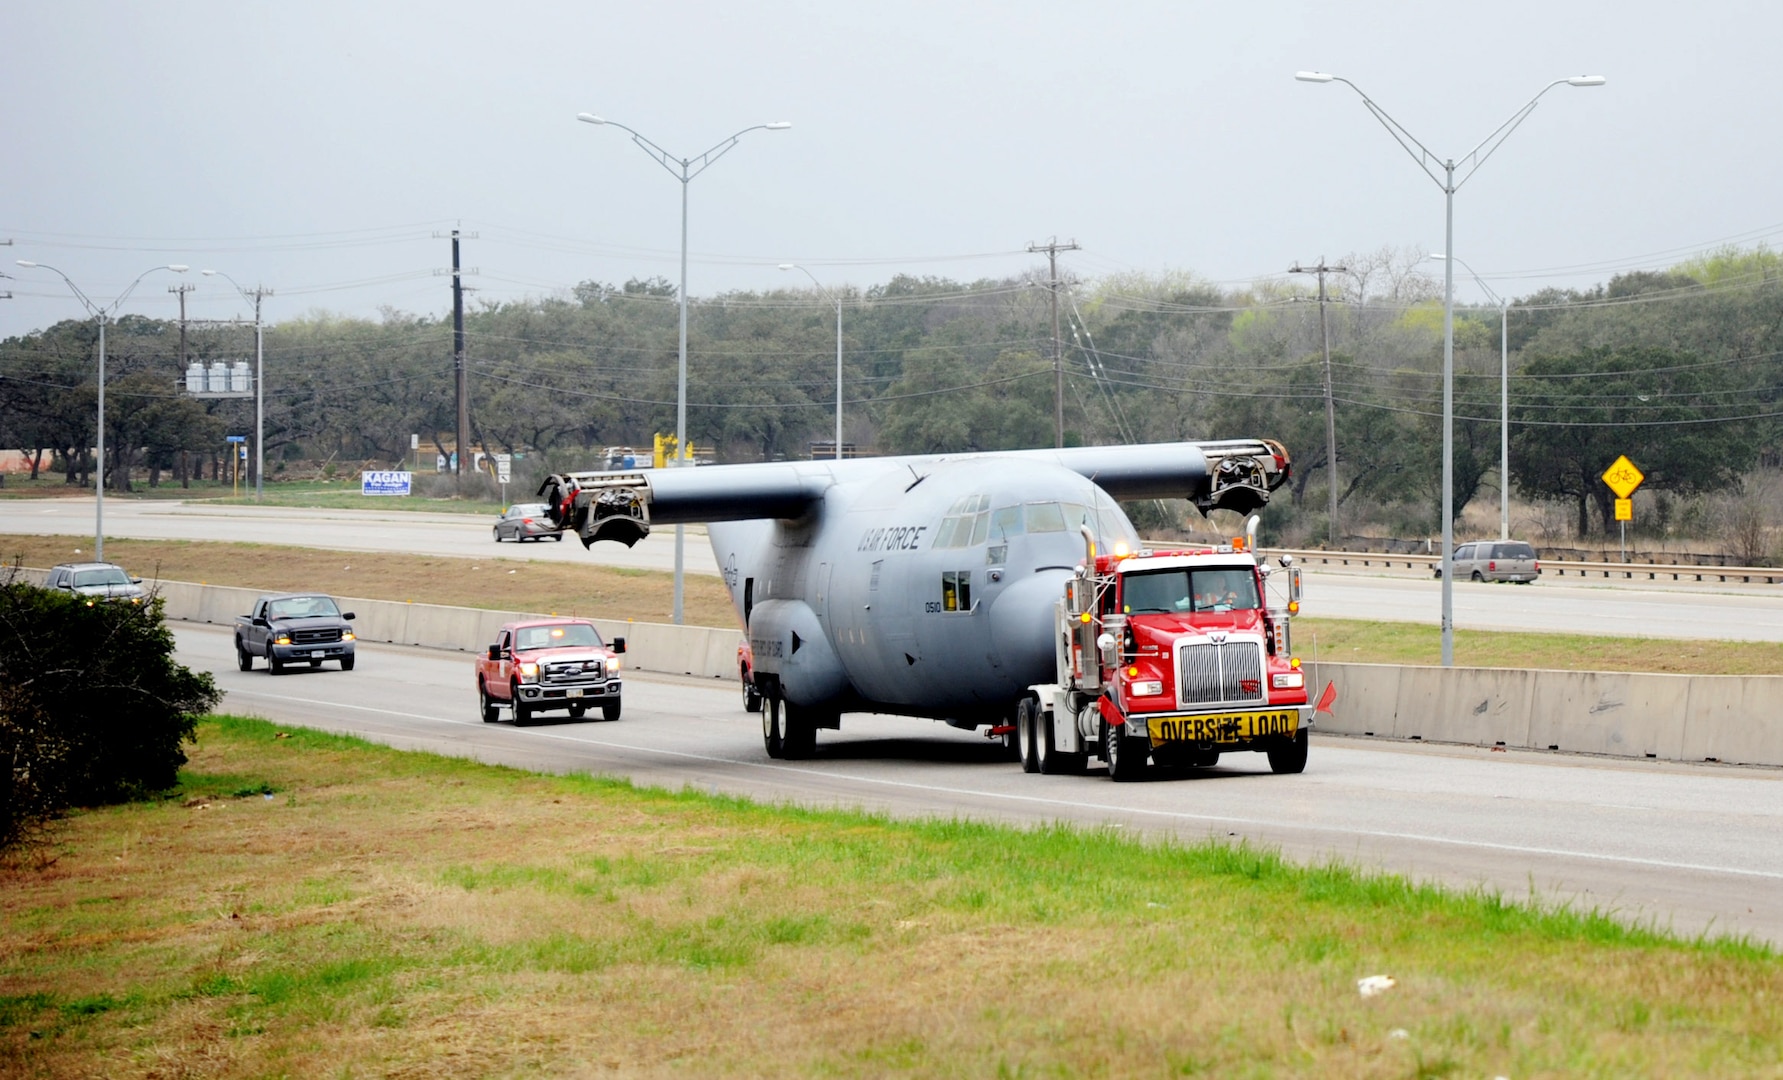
x=93 y=708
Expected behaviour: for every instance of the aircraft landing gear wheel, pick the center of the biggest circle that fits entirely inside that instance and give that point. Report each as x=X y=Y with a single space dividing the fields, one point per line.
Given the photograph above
x=1124 y=754
x=1289 y=756
x=751 y=696
x=798 y=733
x=1027 y=730
x=773 y=736
x=609 y=711
x=243 y=658
x=485 y=705
x=1011 y=740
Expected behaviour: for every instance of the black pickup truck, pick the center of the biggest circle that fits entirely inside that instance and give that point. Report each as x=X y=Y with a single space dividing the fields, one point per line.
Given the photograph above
x=294 y=628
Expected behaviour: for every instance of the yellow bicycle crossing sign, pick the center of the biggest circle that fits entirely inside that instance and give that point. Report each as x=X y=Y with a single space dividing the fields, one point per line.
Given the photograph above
x=1623 y=477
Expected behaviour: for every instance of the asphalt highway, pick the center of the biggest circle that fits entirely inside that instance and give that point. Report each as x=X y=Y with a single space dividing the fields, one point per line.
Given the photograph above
x=1737 y=612
x=1686 y=847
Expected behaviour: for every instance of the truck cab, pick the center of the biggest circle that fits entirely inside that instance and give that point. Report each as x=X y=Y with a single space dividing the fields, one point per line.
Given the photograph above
x=1172 y=658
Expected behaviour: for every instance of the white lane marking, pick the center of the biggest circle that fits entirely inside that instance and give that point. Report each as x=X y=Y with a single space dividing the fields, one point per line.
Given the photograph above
x=1378 y=834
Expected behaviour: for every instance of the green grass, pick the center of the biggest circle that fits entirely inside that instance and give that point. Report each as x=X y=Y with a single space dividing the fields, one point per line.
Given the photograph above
x=391 y=912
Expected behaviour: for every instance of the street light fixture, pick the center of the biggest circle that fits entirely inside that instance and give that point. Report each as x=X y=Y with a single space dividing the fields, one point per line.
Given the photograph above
x=1504 y=398
x=1447 y=181
x=256 y=294
x=837 y=300
x=101 y=312
x=684 y=170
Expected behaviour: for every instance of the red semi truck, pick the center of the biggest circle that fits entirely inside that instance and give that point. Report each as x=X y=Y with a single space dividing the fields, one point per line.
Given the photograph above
x=1173 y=658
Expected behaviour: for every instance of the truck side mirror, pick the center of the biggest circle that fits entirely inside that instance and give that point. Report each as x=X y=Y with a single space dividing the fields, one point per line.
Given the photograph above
x=618 y=644
x=1105 y=645
x=1294 y=584
x=259 y=620
x=349 y=616
x=495 y=652
x=136 y=581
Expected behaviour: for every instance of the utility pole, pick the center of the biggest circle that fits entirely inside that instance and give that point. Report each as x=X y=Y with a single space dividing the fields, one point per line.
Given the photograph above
x=182 y=289
x=1330 y=409
x=464 y=411
x=1052 y=248
x=5 y=295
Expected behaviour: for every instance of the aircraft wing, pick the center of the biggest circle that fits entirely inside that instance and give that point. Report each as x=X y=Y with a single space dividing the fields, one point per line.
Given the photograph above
x=1234 y=475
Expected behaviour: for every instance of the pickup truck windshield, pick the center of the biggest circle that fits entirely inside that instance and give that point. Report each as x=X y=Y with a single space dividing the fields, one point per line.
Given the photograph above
x=302 y=607
x=1171 y=591
x=556 y=637
x=109 y=575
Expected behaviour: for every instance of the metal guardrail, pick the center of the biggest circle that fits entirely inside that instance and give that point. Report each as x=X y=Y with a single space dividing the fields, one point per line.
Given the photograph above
x=1768 y=575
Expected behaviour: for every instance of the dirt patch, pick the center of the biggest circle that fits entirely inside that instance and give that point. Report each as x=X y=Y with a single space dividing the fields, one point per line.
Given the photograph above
x=502 y=584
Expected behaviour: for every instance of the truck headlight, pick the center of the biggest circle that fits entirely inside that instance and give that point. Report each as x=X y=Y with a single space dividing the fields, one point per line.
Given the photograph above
x=1288 y=680
x=528 y=672
x=613 y=666
x=347 y=636
x=1147 y=688
x=282 y=639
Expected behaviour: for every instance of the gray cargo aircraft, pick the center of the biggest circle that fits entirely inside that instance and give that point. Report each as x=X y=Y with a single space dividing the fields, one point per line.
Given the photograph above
x=918 y=586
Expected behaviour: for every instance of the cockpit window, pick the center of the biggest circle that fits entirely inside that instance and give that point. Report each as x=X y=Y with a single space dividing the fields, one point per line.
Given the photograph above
x=1182 y=590
x=1006 y=521
x=1045 y=518
x=966 y=522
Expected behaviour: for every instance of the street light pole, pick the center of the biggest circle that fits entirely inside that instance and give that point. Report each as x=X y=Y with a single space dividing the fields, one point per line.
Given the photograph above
x=101 y=312
x=837 y=300
x=1449 y=184
x=684 y=170
x=257 y=294
x=1504 y=398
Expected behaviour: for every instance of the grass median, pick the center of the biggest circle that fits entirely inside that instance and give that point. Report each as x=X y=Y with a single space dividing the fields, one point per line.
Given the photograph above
x=504 y=582
x=314 y=905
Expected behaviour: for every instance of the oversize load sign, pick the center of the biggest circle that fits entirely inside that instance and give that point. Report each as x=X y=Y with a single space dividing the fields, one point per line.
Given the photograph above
x=384 y=483
x=1223 y=727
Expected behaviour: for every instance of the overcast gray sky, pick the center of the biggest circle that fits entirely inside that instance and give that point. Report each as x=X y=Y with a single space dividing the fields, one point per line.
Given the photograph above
x=317 y=147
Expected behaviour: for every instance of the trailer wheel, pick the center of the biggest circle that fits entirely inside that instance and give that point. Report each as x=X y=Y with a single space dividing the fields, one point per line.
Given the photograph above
x=798 y=735
x=1027 y=730
x=1124 y=754
x=1289 y=756
x=772 y=734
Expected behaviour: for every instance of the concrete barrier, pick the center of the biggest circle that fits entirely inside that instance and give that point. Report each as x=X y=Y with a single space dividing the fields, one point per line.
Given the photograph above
x=1727 y=718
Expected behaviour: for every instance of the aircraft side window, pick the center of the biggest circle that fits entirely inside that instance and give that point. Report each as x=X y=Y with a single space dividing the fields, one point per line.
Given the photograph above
x=981 y=525
x=956 y=590
x=1006 y=521
x=1044 y=517
x=996 y=555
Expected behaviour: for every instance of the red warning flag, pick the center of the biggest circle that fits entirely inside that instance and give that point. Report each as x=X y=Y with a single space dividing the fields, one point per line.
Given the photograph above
x=1327 y=699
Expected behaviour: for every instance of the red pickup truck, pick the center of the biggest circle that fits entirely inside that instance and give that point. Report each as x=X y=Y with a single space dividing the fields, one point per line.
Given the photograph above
x=540 y=664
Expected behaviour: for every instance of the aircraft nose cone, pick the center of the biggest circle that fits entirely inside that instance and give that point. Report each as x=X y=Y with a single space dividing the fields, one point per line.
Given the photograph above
x=1023 y=624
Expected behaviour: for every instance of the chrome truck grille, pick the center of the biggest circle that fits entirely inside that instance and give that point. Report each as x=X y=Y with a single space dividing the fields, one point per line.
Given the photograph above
x=315 y=637
x=572 y=671
x=1220 y=672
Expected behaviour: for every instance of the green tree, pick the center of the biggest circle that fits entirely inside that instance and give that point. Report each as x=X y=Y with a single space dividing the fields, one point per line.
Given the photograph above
x=1679 y=418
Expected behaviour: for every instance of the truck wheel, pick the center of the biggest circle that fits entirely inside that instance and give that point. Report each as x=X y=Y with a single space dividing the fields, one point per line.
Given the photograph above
x=1053 y=761
x=522 y=711
x=243 y=658
x=1027 y=731
x=751 y=696
x=347 y=662
x=1477 y=576
x=798 y=735
x=576 y=711
x=772 y=734
x=1124 y=754
x=273 y=666
x=1288 y=757
x=1011 y=740
x=486 y=705
x=609 y=711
